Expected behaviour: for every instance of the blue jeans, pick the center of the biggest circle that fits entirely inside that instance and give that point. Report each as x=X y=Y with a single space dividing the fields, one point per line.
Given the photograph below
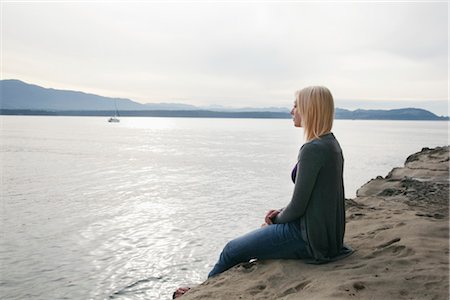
x=277 y=241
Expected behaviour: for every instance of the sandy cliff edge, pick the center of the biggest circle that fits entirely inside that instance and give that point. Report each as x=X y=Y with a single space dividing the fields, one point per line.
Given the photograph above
x=399 y=228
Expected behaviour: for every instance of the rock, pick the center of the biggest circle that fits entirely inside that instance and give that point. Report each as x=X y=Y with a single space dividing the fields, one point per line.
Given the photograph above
x=399 y=228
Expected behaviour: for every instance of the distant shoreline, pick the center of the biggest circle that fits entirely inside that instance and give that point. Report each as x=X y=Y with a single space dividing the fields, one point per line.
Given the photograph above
x=199 y=114
x=21 y=98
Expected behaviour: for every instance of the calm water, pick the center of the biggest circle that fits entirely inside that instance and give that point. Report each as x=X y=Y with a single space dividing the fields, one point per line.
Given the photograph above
x=93 y=210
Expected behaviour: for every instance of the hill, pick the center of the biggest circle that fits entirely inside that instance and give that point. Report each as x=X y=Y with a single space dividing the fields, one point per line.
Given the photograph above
x=392 y=114
x=17 y=94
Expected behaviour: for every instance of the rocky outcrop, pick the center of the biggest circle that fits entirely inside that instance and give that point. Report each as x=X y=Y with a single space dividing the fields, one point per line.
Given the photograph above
x=399 y=228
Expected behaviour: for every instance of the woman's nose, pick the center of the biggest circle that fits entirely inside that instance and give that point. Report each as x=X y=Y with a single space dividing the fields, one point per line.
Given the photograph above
x=292 y=111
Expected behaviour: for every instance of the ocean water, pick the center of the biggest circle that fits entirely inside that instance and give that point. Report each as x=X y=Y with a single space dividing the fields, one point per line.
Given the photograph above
x=97 y=210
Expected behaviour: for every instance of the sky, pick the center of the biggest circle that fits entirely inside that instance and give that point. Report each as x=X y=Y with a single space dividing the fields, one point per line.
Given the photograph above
x=237 y=54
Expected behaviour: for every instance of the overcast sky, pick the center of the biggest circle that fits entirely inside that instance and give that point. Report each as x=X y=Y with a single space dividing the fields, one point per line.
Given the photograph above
x=233 y=54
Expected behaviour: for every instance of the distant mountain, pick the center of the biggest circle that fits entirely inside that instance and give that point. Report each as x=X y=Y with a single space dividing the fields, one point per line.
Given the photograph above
x=169 y=106
x=246 y=109
x=438 y=107
x=16 y=94
x=18 y=97
x=392 y=114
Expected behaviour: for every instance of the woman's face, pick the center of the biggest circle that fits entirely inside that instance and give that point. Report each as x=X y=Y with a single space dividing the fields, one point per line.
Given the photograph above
x=296 y=115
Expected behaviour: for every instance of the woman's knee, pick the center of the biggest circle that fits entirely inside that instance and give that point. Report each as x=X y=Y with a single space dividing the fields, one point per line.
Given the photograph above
x=233 y=252
x=229 y=248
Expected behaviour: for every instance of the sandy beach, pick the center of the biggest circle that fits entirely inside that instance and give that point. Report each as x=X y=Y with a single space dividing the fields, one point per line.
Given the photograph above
x=398 y=226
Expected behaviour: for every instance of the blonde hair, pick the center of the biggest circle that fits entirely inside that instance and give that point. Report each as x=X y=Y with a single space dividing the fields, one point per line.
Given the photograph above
x=315 y=105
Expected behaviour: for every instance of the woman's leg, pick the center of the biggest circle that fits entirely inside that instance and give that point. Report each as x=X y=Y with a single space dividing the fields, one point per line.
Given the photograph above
x=277 y=241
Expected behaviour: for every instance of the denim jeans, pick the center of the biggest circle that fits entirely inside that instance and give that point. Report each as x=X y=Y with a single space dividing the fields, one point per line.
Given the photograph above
x=276 y=241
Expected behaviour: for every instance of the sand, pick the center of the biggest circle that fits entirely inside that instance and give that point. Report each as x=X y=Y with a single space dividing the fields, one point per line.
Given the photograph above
x=398 y=226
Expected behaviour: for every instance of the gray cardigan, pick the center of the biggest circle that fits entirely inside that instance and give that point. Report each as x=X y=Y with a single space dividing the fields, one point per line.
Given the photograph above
x=318 y=200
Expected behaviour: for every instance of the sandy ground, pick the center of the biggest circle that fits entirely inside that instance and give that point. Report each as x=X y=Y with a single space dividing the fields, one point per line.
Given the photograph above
x=398 y=226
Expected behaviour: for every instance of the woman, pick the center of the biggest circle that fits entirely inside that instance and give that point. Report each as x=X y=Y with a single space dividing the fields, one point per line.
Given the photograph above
x=312 y=226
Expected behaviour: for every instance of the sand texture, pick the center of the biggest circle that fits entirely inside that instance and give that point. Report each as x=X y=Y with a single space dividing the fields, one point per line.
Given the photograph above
x=398 y=226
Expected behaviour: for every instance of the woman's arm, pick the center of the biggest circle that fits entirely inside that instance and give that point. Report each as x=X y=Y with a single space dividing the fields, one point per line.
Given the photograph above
x=308 y=167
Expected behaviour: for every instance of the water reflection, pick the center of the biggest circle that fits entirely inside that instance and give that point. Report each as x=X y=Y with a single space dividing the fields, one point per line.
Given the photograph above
x=131 y=211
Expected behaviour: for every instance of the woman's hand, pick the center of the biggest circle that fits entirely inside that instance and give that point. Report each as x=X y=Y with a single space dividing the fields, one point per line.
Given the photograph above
x=270 y=215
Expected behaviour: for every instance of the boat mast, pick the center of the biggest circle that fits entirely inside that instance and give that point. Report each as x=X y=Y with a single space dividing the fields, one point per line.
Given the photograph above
x=117 y=112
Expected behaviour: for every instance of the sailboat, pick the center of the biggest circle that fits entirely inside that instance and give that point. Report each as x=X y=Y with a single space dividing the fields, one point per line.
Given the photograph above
x=115 y=118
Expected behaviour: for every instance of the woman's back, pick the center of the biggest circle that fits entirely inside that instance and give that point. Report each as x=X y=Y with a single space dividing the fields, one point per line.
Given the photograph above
x=324 y=218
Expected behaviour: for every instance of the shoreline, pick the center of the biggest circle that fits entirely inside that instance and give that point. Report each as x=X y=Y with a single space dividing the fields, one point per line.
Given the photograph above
x=397 y=225
x=212 y=114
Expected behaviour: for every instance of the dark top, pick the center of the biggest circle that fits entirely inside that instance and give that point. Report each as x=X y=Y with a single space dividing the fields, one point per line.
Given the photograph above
x=318 y=199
